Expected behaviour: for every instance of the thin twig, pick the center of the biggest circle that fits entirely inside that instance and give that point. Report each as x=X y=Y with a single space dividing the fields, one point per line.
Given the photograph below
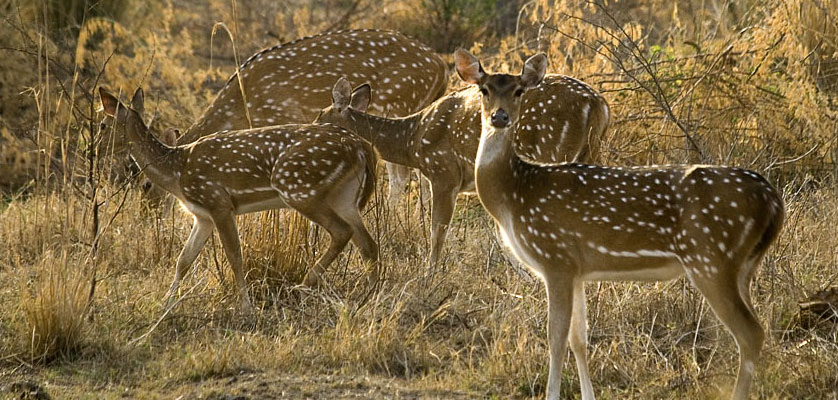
x=165 y=313
x=238 y=68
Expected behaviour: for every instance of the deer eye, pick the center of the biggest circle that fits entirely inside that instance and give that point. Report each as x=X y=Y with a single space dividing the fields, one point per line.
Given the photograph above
x=519 y=93
x=484 y=92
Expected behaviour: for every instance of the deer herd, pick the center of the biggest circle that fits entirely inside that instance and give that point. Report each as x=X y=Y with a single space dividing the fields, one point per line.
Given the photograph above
x=291 y=132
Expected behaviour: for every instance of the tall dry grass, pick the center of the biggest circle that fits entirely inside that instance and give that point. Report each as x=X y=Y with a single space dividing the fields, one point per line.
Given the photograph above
x=748 y=85
x=55 y=310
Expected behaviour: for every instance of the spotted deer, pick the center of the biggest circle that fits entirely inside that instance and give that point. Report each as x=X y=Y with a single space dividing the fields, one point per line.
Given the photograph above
x=441 y=140
x=291 y=82
x=571 y=223
x=321 y=171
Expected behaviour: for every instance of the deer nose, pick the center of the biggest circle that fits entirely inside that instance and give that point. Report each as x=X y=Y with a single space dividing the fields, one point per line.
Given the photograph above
x=500 y=119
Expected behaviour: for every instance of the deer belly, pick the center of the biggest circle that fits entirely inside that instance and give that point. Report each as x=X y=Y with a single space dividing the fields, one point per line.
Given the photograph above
x=668 y=271
x=603 y=264
x=598 y=262
x=256 y=199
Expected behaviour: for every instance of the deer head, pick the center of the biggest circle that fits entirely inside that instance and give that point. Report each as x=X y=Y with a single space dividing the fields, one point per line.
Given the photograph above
x=122 y=118
x=502 y=93
x=344 y=98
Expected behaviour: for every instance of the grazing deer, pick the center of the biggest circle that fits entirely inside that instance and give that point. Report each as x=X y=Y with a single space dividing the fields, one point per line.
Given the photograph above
x=123 y=170
x=572 y=223
x=441 y=140
x=322 y=171
x=291 y=82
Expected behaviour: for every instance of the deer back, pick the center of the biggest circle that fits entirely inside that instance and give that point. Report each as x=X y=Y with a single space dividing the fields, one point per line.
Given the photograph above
x=290 y=83
x=568 y=119
x=300 y=161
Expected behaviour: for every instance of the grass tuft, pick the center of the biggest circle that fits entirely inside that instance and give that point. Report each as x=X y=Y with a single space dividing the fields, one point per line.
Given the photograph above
x=54 y=308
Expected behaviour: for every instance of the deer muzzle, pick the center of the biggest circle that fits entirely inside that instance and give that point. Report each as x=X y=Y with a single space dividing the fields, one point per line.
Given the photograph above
x=500 y=119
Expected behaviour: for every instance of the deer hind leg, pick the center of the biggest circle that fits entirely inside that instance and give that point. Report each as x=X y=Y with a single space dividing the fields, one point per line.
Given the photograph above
x=424 y=199
x=559 y=310
x=349 y=212
x=727 y=293
x=366 y=244
x=339 y=232
x=345 y=200
x=361 y=236
x=229 y=234
x=579 y=339
x=398 y=177
x=201 y=230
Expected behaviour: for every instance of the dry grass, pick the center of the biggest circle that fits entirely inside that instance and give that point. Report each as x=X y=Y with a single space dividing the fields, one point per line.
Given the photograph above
x=54 y=310
x=476 y=328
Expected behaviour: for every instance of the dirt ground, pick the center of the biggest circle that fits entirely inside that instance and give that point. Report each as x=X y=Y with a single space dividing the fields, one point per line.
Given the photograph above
x=245 y=386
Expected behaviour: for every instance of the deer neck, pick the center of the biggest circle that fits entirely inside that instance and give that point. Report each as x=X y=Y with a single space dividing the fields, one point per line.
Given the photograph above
x=496 y=168
x=207 y=125
x=393 y=138
x=159 y=162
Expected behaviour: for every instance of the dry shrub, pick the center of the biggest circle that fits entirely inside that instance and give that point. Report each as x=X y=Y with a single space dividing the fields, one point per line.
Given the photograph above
x=743 y=95
x=17 y=111
x=64 y=17
x=816 y=23
x=159 y=60
x=279 y=239
x=18 y=160
x=443 y=25
x=55 y=309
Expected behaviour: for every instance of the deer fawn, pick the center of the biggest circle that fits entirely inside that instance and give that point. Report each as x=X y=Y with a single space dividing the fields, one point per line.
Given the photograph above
x=572 y=223
x=441 y=140
x=321 y=171
x=290 y=83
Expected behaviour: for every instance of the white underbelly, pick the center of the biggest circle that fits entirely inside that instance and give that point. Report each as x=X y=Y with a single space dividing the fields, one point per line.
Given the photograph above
x=242 y=207
x=268 y=204
x=630 y=264
x=668 y=271
x=256 y=199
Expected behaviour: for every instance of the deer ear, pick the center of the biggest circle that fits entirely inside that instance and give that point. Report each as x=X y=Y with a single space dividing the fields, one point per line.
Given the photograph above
x=468 y=67
x=169 y=137
x=342 y=93
x=361 y=97
x=534 y=70
x=109 y=102
x=137 y=102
